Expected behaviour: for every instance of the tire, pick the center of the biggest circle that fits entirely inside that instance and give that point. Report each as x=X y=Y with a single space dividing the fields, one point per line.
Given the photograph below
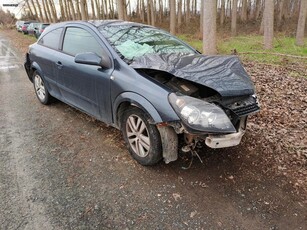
x=40 y=90
x=143 y=139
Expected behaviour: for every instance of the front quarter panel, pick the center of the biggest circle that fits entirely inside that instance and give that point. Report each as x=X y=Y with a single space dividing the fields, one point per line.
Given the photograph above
x=129 y=86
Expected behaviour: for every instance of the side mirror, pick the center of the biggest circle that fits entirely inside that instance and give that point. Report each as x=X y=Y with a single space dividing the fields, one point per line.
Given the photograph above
x=88 y=58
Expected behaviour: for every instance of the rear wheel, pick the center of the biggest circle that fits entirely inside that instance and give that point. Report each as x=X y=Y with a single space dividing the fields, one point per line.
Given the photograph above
x=143 y=139
x=40 y=90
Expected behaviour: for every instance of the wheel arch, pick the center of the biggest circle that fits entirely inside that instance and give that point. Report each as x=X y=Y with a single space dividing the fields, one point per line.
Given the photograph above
x=34 y=67
x=124 y=100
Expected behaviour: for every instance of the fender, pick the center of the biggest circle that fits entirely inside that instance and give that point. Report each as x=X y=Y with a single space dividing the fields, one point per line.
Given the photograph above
x=139 y=101
x=34 y=65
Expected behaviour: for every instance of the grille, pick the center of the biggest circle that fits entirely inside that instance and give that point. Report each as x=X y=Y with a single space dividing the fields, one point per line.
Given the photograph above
x=242 y=111
x=244 y=106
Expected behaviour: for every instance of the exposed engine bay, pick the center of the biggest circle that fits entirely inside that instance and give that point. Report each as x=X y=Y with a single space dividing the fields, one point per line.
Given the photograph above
x=234 y=107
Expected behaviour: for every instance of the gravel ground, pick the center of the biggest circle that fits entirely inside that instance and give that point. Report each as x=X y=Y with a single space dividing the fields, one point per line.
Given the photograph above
x=61 y=169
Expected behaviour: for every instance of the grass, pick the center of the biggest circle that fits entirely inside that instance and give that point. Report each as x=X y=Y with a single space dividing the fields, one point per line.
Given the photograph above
x=254 y=43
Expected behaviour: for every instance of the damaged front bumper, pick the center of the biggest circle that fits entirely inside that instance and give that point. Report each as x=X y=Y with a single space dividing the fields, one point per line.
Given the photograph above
x=228 y=140
x=169 y=136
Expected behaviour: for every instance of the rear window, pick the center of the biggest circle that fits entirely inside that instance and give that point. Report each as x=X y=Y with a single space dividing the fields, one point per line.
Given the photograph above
x=51 y=39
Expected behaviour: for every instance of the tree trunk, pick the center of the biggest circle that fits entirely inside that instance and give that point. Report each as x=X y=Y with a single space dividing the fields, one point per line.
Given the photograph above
x=222 y=15
x=179 y=14
x=201 y=24
x=209 y=34
x=30 y=10
x=234 y=18
x=280 y=12
x=78 y=11
x=45 y=10
x=161 y=11
x=244 y=11
x=268 y=24
x=97 y=6
x=83 y=10
x=48 y=10
x=142 y=11
x=173 y=17
x=187 y=12
x=53 y=11
x=35 y=11
x=257 y=9
x=301 y=23
x=40 y=11
x=120 y=9
x=93 y=9
x=152 y=12
x=72 y=9
x=148 y=12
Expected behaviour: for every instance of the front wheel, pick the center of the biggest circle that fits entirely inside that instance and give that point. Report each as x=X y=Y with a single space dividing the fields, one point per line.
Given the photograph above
x=143 y=139
x=40 y=90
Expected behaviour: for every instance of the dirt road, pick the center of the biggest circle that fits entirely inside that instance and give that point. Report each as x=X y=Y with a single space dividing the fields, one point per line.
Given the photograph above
x=60 y=169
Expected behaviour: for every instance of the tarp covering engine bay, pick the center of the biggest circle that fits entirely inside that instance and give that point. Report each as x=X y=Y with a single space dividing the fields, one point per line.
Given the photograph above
x=224 y=74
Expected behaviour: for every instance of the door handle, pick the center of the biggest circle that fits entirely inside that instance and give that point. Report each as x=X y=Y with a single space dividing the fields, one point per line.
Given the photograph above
x=59 y=64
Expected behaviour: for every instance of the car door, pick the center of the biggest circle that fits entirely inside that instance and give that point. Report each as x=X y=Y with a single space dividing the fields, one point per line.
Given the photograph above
x=46 y=55
x=86 y=87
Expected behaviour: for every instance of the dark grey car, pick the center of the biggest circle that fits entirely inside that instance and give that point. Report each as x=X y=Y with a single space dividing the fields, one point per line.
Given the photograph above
x=145 y=82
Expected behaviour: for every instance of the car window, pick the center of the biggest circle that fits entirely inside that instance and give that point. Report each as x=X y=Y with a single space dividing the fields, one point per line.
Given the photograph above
x=135 y=41
x=77 y=40
x=51 y=39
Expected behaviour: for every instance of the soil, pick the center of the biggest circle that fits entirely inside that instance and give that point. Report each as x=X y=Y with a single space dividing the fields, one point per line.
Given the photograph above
x=61 y=169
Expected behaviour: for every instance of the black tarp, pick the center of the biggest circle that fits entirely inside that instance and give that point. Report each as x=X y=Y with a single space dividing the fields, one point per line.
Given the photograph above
x=224 y=74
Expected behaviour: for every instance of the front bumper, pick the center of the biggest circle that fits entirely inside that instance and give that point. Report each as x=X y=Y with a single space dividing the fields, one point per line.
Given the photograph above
x=228 y=140
x=223 y=141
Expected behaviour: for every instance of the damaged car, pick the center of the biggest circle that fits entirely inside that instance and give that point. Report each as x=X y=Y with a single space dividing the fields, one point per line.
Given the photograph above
x=142 y=80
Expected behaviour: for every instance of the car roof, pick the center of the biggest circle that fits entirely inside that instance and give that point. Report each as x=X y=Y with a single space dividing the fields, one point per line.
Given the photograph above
x=99 y=23
x=95 y=23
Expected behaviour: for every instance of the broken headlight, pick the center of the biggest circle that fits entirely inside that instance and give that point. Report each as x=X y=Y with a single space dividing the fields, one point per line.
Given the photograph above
x=200 y=115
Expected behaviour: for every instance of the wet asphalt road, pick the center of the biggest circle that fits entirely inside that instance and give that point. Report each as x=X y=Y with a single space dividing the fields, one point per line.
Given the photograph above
x=60 y=169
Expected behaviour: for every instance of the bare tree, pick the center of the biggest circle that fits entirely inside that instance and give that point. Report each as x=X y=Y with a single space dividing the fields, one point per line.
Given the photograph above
x=301 y=23
x=179 y=13
x=173 y=16
x=222 y=15
x=152 y=12
x=40 y=11
x=201 y=24
x=244 y=11
x=234 y=18
x=120 y=9
x=34 y=9
x=29 y=8
x=187 y=11
x=268 y=24
x=209 y=31
x=83 y=9
x=46 y=13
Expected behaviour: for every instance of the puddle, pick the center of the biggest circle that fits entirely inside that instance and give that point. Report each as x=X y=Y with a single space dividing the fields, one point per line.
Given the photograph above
x=8 y=59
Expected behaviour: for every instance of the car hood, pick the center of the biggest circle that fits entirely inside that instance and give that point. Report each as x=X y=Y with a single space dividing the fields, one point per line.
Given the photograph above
x=224 y=74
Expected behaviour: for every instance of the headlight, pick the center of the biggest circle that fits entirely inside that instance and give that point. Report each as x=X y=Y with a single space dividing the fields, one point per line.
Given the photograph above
x=201 y=115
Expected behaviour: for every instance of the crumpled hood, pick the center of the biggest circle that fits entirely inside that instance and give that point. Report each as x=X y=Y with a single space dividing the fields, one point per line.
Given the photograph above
x=224 y=74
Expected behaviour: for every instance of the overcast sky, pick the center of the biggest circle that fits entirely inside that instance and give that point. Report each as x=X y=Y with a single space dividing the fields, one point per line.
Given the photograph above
x=14 y=10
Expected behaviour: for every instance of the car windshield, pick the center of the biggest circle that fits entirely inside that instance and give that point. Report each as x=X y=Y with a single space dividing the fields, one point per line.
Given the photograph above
x=135 y=41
